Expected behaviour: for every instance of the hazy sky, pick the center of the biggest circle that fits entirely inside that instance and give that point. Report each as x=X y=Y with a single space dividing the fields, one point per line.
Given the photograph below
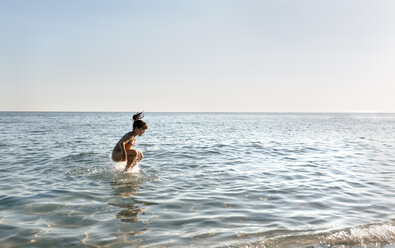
x=203 y=55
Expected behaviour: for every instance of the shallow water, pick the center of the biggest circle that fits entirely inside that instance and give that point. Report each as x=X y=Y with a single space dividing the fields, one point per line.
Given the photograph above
x=206 y=180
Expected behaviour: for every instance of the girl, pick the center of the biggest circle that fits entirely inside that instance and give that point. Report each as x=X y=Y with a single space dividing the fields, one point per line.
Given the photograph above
x=123 y=149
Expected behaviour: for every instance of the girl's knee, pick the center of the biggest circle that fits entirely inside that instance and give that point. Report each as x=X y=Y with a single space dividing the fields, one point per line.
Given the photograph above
x=132 y=153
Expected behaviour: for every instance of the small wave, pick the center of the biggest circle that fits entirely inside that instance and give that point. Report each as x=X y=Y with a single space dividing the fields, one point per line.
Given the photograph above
x=372 y=235
x=82 y=157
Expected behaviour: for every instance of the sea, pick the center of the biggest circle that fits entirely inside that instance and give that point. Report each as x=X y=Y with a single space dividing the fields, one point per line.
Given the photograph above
x=218 y=180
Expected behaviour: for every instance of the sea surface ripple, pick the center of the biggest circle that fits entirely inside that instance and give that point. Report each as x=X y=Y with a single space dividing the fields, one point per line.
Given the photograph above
x=206 y=180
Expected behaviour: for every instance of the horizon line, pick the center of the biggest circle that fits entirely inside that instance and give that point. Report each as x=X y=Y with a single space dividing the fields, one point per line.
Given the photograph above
x=235 y=112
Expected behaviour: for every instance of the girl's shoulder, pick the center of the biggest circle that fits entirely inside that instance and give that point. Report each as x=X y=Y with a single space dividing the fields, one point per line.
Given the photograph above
x=128 y=135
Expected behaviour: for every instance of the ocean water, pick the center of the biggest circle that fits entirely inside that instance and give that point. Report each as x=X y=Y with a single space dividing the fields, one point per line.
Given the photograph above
x=206 y=180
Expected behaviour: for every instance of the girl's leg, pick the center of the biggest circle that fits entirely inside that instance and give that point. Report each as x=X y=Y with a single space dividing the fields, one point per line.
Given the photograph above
x=139 y=155
x=132 y=159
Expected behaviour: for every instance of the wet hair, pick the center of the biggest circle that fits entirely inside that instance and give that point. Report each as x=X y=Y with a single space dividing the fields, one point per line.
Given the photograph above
x=138 y=122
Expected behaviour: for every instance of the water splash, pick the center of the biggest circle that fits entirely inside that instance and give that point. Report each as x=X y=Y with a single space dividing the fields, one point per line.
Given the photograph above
x=120 y=167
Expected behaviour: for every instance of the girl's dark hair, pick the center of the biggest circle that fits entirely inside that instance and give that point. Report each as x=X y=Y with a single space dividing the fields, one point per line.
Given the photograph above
x=138 y=122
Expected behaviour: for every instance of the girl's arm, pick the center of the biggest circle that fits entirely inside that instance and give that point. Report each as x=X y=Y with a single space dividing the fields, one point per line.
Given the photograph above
x=122 y=145
x=123 y=150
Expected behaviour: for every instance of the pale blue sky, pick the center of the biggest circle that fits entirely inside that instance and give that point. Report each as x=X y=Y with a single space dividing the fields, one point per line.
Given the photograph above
x=166 y=55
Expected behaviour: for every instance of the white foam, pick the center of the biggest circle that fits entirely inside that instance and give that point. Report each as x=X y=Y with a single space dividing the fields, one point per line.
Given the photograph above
x=120 y=166
x=134 y=170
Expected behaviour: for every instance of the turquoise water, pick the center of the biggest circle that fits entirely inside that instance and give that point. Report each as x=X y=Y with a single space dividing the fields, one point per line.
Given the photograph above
x=206 y=180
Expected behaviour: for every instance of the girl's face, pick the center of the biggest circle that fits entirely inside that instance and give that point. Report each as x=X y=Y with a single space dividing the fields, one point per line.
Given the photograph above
x=139 y=131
